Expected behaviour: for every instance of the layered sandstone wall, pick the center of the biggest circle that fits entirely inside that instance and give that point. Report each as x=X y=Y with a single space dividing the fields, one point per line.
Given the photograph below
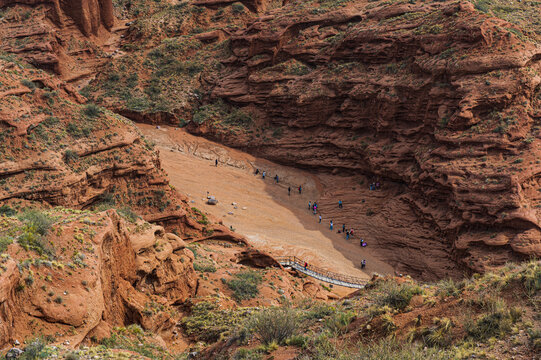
x=438 y=101
x=89 y=15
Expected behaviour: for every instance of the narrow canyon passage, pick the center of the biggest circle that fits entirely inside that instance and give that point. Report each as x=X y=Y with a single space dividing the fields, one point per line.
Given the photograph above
x=269 y=218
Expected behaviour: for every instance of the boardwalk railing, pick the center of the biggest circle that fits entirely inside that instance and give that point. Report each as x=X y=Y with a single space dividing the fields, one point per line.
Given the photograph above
x=321 y=274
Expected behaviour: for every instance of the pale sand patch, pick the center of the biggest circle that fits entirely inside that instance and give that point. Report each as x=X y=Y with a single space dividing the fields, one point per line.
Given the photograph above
x=272 y=220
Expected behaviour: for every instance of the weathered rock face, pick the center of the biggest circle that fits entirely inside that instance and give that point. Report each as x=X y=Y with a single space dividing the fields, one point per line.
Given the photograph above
x=253 y=5
x=109 y=277
x=439 y=102
x=64 y=37
x=89 y=15
x=56 y=151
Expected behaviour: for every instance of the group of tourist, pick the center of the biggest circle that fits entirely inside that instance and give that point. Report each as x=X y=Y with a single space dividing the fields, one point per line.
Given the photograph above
x=374 y=186
x=313 y=206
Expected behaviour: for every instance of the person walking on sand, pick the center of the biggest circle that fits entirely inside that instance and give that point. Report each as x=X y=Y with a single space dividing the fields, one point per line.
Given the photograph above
x=309 y=205
x=363 y=264
x=256 y=171
x=331 y=225
x=289 y=191
x=263 y=175
x=339 y=204
x=343 y=227
x=300 y=189
x=347 y=234
x=320 y=219
x=216 y=162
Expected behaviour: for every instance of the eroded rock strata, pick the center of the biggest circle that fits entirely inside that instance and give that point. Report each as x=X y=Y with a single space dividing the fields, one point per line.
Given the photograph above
x=439 y=102
x=107 y=278
x=68 y=38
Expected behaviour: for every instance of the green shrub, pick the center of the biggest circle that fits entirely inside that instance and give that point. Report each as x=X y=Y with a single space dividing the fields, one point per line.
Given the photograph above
x=204 y=220
x=534 y=336
x=76 y=131
x=531 y=277
x=387 y=323
x=35 y=228
x=447 y=287
x=245 y=285
x=438 y=335
x=320 y=347
x=92 y=110
x=248 y=354
x=70 y=156
x=208 y=323
x=482 y=5
x=34 y=350
x=30 y=240
x=319 y=310
x=237 y=8
x=5 y=241
x=397 y=296
x=299 y=341
x=338 y=322
x=392 y=349
x=128 y=214
x=238 y=117
x=274 y=324
x=39 y=221
x=128 y=339
x=29 y=84
x=207 y=112
x=496 y=322
x=7 y=210
x=204 y=265
x=73 y=356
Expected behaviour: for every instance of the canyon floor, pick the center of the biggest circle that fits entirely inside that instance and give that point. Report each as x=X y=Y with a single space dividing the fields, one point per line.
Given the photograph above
x=264 y=213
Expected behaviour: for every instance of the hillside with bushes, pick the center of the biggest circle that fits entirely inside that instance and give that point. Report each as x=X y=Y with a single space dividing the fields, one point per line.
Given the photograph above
x=439 y=101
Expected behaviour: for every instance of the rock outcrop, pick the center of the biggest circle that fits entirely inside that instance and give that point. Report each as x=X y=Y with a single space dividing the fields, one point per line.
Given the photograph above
x=437 y=101
x=56 y=151
x=89 y=15
x=64 y=37
x=254 y=5
x=111 y=275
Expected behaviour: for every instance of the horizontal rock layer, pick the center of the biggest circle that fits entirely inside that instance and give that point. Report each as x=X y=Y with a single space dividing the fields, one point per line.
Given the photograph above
x=439 y=102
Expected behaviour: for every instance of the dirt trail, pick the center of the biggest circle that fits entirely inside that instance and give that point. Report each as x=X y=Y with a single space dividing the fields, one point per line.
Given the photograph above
x=265 y=214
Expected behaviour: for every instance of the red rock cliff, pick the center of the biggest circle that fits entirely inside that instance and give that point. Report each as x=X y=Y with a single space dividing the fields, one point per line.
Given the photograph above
x=440 y=102
x=89 y=15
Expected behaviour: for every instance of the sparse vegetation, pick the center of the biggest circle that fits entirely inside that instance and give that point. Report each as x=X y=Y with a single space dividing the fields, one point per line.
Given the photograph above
x=495 y=323
x=34 y=231
x=245 y=285
x=91 y=110
x=274 y=325
x=397 y=296
x=207 y=323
